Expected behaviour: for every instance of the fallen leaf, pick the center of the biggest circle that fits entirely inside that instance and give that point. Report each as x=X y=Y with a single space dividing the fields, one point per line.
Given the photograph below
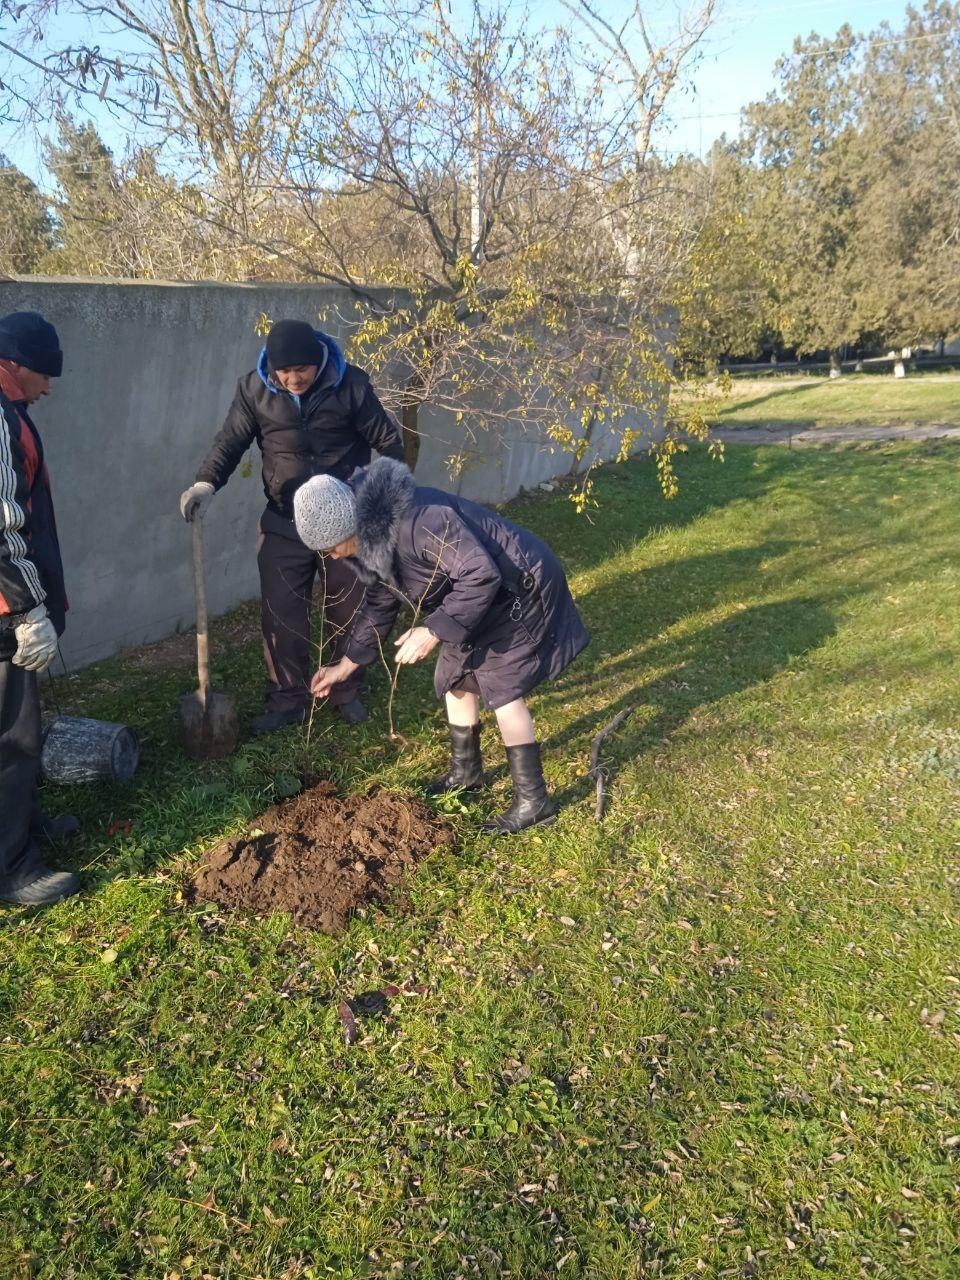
x=108 y=956
x=908 y=1194
x=349 y=1023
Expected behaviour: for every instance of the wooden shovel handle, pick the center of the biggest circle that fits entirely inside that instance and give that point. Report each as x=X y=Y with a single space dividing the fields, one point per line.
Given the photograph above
x=200 y=591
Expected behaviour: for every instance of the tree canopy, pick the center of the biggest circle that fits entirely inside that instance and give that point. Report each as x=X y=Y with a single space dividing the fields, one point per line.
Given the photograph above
x=839 y=203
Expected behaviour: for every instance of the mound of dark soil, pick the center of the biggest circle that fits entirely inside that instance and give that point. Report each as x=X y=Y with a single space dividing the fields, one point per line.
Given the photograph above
x=318 y=857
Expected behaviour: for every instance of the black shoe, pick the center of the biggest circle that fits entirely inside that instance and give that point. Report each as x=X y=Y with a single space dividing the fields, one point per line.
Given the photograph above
x=466 y=762
x=354 y=712
x=531 y=805
x=271 y=721
x=52 y=829
x=47 y=888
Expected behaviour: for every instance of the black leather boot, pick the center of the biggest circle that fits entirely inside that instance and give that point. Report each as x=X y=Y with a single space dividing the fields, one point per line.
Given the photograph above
x=43 y=890
x=54 y=829
x=531 y=804
x=466 y=762
x=272 y=721
x=354 y=712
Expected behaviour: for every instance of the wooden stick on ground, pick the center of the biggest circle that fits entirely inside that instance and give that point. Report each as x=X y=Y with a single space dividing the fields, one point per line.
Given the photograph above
x=595 y=770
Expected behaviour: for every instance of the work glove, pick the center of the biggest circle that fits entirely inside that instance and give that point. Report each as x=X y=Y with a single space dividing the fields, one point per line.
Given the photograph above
x=36 y=640
x=195 y=500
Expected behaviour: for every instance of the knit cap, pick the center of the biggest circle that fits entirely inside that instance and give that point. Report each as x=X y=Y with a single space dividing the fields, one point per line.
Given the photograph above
x=325 y=512
x=294 y=342
x=27 y=339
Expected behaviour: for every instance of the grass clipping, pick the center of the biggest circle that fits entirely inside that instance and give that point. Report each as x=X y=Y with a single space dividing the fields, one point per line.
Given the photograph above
x=318 y=857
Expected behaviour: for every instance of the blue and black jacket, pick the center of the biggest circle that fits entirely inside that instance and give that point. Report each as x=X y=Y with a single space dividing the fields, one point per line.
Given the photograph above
x=331 y=430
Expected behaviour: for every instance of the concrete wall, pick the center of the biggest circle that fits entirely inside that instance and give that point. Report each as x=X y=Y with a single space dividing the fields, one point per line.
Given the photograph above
x=148 y=374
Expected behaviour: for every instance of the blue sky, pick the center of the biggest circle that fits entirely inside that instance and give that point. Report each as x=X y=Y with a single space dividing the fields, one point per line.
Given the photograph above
x=740 y=51
x=735 y=68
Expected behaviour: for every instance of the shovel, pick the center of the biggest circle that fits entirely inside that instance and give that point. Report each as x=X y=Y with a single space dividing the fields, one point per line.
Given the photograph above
x=208 y=720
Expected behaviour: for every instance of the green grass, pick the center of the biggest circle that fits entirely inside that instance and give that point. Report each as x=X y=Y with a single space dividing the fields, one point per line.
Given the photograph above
x=719 y=1036
x=861 y=399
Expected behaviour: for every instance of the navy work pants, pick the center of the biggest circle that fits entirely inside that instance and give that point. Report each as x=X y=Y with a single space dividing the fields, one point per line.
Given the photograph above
x=288 y=570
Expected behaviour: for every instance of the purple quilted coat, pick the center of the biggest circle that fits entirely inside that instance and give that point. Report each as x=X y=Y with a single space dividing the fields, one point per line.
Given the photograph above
x=493 y=593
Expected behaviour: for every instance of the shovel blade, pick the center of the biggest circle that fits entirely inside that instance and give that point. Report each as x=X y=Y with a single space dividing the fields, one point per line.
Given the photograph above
x=208 y=732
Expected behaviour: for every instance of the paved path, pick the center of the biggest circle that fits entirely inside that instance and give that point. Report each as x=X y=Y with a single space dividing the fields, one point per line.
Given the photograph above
x=834 y=435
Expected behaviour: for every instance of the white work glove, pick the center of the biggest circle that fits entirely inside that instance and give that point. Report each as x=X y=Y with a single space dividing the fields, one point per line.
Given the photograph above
x=36 y=640
x=195 y=500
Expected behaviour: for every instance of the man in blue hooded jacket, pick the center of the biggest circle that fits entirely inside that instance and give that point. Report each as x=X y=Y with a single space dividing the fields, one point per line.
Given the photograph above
x=311 y=414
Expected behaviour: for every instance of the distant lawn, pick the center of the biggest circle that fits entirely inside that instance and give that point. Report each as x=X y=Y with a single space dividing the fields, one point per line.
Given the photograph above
x=865 y=399
x=718 y=1036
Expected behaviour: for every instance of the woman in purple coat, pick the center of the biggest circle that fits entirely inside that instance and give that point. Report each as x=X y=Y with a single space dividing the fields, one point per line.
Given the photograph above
x=490 y=594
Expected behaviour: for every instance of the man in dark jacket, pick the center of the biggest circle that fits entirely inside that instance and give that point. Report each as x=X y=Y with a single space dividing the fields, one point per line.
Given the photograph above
x=311 y=414
x=32 y=610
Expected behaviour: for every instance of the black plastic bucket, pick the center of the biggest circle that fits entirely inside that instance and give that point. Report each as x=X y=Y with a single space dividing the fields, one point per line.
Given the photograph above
x=79 y=750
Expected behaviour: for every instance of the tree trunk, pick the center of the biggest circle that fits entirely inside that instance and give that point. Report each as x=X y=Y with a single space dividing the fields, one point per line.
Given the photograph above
x=899 y=369
x=858 y=367
x=586 y=439
x=835 y=369
x=411 y=434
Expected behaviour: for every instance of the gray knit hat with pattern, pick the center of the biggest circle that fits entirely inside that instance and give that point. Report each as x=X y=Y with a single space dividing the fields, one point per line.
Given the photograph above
x=325 y=512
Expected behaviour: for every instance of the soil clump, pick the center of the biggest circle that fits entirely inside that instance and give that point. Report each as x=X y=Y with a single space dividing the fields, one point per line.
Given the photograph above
x=318 y=857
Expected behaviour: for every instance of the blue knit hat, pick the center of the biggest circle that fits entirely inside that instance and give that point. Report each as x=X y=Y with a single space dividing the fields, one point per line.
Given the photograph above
x=27 y=339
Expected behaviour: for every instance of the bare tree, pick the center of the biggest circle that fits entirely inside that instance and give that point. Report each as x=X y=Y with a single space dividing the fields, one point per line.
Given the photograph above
x=221 y=87
x=454 y=152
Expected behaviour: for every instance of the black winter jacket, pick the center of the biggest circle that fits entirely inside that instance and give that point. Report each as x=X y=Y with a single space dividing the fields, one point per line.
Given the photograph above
x=329 y=431
x=31 y=571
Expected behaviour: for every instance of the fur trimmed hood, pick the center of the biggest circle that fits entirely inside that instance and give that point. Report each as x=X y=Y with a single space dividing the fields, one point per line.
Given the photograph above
x=491 y=592
x=384 y=493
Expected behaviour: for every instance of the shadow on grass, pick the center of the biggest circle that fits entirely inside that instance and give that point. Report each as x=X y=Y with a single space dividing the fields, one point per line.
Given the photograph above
x=729 y=413
x=632 y=507
x=715 y=662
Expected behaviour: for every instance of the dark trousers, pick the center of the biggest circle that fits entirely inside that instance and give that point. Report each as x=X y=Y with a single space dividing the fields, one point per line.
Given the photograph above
x=20 y=860
x=287 y=573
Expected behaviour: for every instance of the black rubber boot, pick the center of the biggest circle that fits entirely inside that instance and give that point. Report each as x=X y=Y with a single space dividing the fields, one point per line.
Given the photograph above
x=466 y=762
x=531 y=805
